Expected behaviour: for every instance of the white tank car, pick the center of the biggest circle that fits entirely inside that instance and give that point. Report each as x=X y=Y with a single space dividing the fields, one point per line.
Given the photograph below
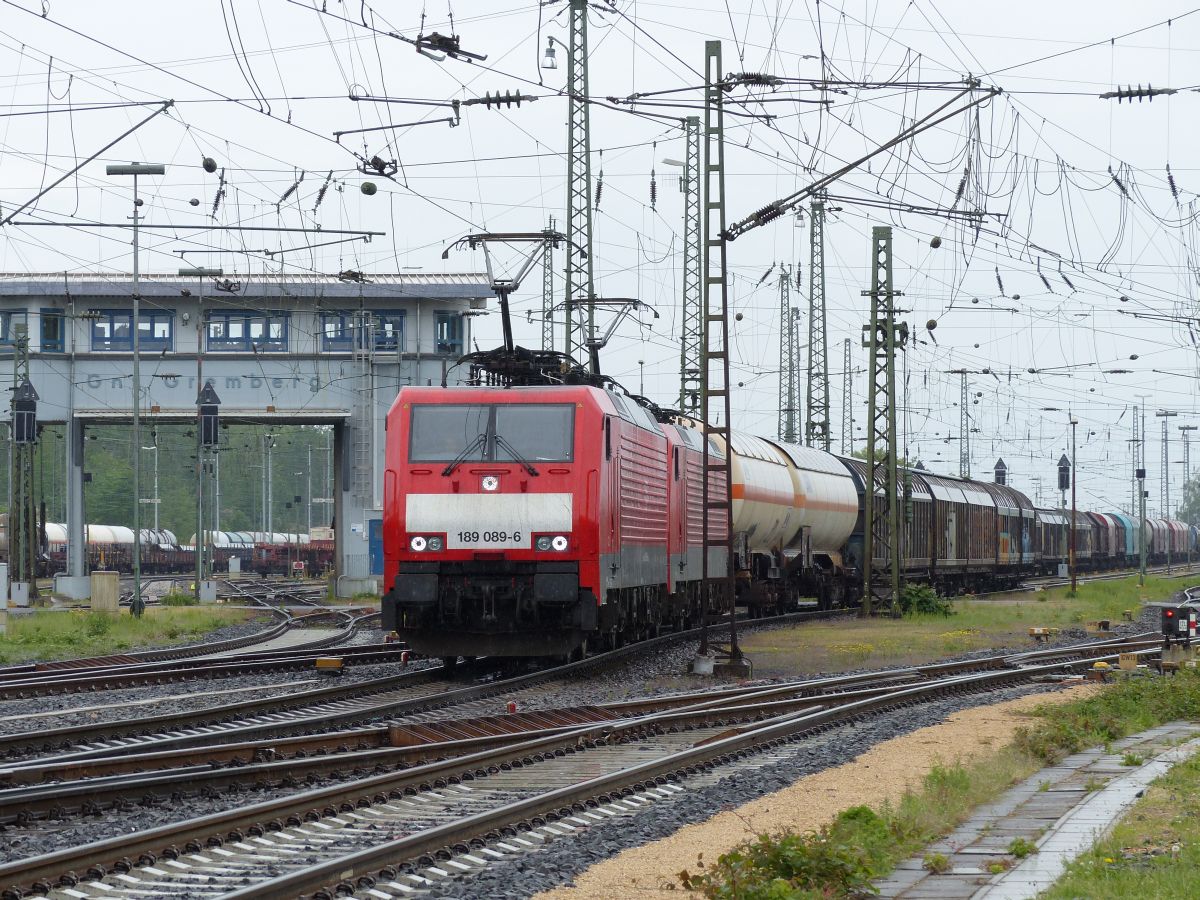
x=780 y=489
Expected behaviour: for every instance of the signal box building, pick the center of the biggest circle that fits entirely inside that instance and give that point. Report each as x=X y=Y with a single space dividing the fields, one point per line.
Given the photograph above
x=278 y=349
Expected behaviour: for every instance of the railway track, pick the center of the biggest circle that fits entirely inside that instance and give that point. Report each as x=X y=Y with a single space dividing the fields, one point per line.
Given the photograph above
x=1052 y=581
x=392 y=833
x=320 y=708
x=286 y=762
x=175 y=663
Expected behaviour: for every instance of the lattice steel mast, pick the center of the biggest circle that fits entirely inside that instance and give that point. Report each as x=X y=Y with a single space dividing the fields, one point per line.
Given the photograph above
x=789 y=368
x=548 y=289
x=847 y=399
x=817 y=432
x=964 y=427
x=714 y=400
x=692 y=330
x=580 y=288
x=884 y=337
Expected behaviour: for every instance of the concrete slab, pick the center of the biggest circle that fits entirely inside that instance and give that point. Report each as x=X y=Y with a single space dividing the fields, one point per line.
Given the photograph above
x=1063 y=820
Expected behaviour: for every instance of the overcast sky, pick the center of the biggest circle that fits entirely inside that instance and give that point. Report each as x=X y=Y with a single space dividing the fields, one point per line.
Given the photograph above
x=1078 y=209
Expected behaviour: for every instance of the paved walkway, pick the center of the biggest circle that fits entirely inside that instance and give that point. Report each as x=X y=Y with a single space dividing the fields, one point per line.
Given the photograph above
x=1054 y=809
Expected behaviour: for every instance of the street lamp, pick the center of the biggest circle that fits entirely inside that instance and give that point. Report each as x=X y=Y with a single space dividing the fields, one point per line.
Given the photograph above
x=200 y=273
x=1165 y=414
x=1187 y=477
x=137 y=606
x=1074 y=479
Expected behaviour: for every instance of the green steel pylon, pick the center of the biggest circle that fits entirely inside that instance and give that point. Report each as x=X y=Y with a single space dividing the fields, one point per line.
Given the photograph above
x=692 y=330
x=817 y=432
x=580 y=289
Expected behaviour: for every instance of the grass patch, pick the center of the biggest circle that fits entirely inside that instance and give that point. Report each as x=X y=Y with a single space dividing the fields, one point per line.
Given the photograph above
x=1121 y=709
x=922 y=637
x=862 y=844
x=176 y=598
x=47 y=635
x=1153 y=852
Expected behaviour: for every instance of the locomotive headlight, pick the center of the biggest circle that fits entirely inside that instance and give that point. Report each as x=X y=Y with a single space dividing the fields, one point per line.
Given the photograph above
x=435 y=544
x=417 y=544
x=559 y=543
x=543 y=543
x=489 y=482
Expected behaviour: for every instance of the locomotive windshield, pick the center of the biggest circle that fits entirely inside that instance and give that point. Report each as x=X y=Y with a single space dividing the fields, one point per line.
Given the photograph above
x=537 y=432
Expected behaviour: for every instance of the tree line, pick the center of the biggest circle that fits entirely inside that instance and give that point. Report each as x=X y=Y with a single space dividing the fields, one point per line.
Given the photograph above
x=108 y=479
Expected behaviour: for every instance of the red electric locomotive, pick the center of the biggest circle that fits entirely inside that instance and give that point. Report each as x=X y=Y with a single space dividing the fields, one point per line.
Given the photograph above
x=530 y=521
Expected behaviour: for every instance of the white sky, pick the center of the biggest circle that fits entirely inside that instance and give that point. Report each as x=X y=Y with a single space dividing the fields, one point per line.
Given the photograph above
x=1040 y=158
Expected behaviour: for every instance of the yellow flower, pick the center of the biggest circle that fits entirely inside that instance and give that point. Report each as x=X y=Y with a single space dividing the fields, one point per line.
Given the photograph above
x=1109 y=859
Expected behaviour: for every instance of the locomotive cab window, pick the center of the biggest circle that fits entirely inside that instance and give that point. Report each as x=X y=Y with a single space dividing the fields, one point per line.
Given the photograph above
x=492 y=432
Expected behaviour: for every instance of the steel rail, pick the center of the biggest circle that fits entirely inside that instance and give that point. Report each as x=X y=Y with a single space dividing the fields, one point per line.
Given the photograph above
x=298 y=657
x=68 y=735
x=403 y=744
x=120 y=853
x=343 y=874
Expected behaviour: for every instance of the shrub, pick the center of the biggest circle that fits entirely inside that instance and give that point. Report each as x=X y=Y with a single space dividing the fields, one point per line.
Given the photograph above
x=838 y=860
x=921 y=599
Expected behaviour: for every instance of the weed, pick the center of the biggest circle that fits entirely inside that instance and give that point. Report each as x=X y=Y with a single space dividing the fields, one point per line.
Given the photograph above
x=176 y=598
x=1132 y=759
x=1021 y=848
x=1094 y=784
x=98 y=624
x=1043 y=786
x=937 y=863
x=996 y=866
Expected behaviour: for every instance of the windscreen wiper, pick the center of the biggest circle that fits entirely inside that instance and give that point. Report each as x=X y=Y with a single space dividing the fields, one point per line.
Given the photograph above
x=512 y=451
x=466 y=451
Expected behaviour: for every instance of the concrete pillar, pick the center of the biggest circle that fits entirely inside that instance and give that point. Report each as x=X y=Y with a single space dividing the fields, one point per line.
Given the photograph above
x=350 y=535
x=75 y=584
x=106 y=592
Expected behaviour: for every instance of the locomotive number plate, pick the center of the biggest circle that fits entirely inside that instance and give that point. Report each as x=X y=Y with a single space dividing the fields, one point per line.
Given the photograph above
x=464 y=540
x=488 y=521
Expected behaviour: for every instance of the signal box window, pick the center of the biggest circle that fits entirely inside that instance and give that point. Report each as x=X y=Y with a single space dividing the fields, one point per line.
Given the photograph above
x=335 y=333
x=7 y=321
x=494 y=432
x=112 y=330
x=389 y=331
x=386 y=330
x=447 y=333
x=53 y=332
x=247 y=332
